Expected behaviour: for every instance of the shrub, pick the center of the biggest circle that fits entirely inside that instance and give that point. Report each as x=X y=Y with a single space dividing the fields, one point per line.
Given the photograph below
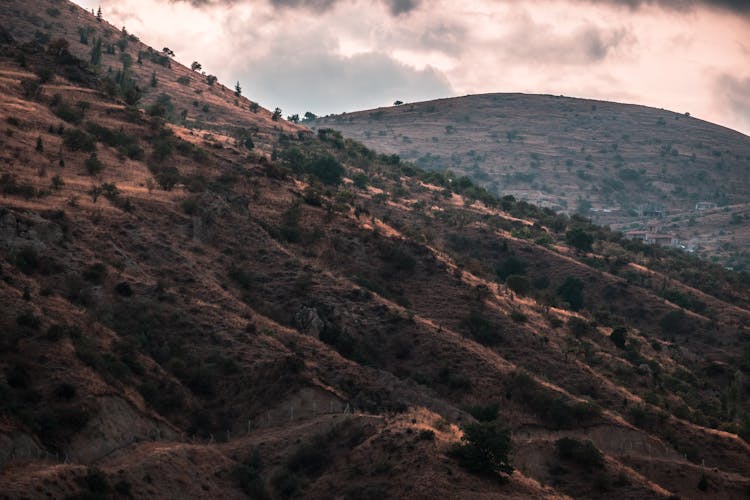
x=249 y=475
x=512 y=265
x=360 y=180
x=675 y=322
x=579 y=239
x=93 y=164
x=619 y=337
x=65 y=390
x=581 y=452
x=571 y=291
x=95 y=273
x=327 y=169
x=484 y=448
x=71 y=114
x=96 y=481
x=28 y=320
x=482 y=329
x=578 y=327
x=518 y=316
x=26 y=260
x=551 y=407
x=519 y=284
x=78 y=140
x=426 y=435
x=123 y=289
x=484 y=413
x=167 y=177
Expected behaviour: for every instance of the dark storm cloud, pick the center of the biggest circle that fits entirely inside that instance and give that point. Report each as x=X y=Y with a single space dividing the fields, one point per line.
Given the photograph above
x=395 y=7
x=398 y=7
x=737 y=6
x=309 y=4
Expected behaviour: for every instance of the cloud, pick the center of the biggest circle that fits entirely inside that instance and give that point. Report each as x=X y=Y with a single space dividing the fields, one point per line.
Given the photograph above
x=535 y=43
x=733 y=95
x=398 y=7
x=318 y=80
x=741 y=7
x=395 y=7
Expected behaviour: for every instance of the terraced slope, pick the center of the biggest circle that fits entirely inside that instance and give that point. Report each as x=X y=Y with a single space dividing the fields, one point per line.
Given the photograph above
x=190 y=316
x=618 y=164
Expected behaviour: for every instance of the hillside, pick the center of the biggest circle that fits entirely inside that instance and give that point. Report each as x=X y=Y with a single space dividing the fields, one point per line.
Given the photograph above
x=252 y=310
x=614 y=163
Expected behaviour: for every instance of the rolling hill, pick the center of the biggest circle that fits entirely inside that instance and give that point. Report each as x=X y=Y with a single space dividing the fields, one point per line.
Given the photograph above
x=621 y=165
x=246 y=308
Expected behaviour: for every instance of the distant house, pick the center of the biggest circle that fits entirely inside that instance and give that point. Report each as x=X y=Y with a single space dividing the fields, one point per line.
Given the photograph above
x=653 y=238
x=651 y=210
x=704 y=205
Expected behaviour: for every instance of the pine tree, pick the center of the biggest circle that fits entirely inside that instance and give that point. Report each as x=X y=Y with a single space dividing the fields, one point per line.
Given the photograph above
x=237 y=89
x=154 y=81
x=99 y=14
x=96 y=53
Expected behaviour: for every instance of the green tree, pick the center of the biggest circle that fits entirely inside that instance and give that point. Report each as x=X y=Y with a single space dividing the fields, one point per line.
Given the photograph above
x=579 y=239
x=237 y=89
x=571 y=291
x=276 y=114
x=96 y=53
x=327 y=169
x=484 y=448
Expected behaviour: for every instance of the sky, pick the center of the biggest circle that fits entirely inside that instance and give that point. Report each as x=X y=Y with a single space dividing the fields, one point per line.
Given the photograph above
x=331 y=56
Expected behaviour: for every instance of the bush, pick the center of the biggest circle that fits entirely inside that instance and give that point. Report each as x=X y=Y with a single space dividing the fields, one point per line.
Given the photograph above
x=551 y=407
x=167 y=177
x=26 y=260
x=675 y=322
x=78 y=140
x=484 y=448
x=484 y=413
x=123 y=289
x=28 y=320
x=482 y=329
x=327 y=169
x=249 y=475
x=581 y=452
x=578 y=327
x=93 y=164
x=71 y=114
x=519 y=284
x=619 y=337
x=95 y=273
x=518 y=316
x=511 y=266
x=571 y=291
x=579 y=239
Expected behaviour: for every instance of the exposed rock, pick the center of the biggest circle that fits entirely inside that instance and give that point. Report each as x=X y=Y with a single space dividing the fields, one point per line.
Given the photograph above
x=308 y=321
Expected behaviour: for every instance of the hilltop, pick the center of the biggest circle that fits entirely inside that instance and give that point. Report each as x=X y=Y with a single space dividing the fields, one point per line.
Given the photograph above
x=252 y=309
x=622 y=165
